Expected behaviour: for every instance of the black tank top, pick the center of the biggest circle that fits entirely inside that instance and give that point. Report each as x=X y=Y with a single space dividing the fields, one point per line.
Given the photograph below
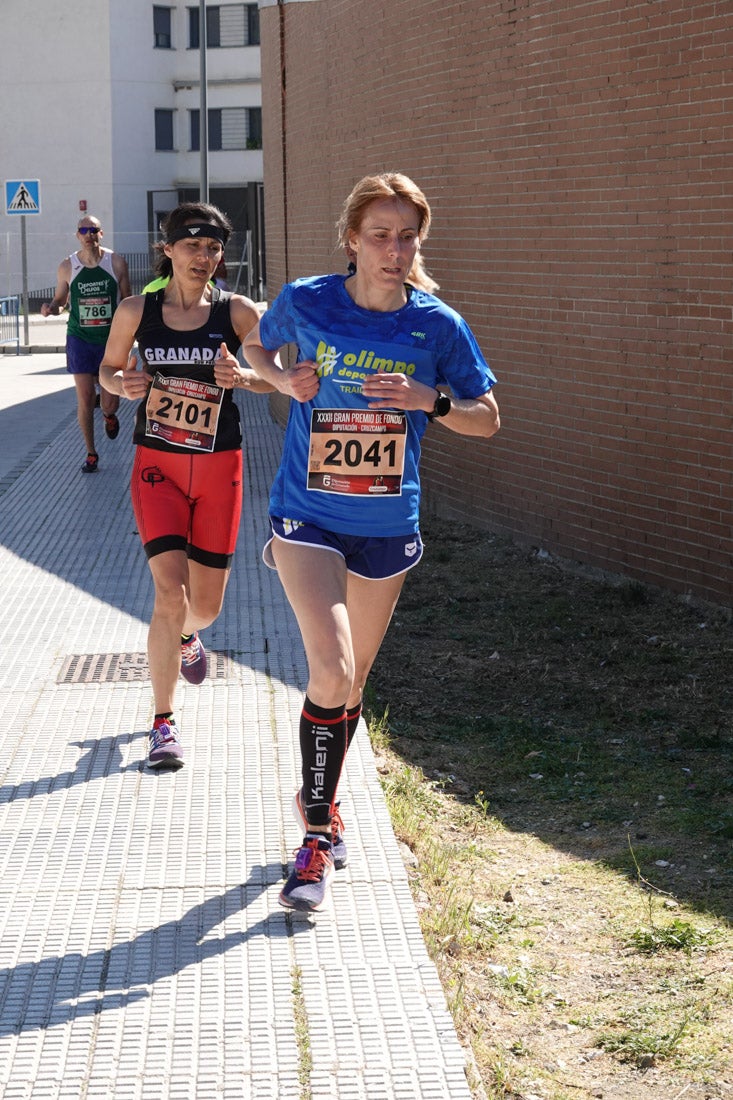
x=190 y=355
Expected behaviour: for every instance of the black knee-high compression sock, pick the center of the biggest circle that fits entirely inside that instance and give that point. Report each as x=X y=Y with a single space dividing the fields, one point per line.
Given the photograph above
x=323 y=748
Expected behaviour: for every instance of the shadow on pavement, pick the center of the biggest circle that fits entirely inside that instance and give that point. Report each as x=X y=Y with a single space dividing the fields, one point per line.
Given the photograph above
x=50 y=991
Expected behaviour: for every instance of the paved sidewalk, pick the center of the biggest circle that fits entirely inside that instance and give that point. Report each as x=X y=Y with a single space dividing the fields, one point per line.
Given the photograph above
x=143 y=953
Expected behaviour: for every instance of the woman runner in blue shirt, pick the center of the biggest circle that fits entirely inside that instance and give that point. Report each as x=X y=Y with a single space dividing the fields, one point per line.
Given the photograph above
x=374 y=350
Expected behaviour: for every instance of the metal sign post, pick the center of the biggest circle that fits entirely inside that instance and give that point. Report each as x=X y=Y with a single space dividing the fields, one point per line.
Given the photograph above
x=24 y=296
x=23 y=197
x=203 y=108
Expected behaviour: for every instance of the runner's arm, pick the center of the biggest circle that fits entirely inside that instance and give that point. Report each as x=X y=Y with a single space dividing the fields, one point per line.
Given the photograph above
x=299 y=382
x=121 y=270
x=472 y=416
x=118 y=371
x=227 y=370
x=61 y=294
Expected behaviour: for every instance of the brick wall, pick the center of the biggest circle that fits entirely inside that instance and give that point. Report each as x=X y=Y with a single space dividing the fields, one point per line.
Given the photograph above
x=577 y=157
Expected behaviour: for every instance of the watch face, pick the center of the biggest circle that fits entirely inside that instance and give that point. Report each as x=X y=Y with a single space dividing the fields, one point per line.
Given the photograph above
x=442 y=405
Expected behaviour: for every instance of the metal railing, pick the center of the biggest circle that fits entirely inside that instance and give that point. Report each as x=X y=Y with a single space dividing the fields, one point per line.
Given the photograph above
x=10 y=321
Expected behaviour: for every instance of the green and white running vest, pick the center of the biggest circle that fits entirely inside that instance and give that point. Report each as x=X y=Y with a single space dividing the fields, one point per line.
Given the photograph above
x=93 y=297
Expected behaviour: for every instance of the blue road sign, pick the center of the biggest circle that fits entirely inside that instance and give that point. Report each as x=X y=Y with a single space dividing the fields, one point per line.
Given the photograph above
x=22 y=196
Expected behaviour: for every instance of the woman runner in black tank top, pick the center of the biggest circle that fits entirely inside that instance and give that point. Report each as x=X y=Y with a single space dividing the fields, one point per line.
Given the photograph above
x=186 y=484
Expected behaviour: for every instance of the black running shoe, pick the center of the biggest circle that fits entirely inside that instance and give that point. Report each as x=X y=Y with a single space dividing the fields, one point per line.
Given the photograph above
x=91 y=465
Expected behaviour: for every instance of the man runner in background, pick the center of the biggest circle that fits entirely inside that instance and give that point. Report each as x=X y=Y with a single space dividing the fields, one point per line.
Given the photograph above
x=92 y=281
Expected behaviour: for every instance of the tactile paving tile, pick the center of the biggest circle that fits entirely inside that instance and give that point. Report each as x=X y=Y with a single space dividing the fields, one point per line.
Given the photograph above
x=143 y=953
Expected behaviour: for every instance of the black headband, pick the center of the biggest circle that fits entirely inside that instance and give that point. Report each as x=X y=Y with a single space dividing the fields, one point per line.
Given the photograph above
x=200 y=229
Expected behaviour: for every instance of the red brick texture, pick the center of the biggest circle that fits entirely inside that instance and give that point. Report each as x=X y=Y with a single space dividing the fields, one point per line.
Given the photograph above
x=578 y=160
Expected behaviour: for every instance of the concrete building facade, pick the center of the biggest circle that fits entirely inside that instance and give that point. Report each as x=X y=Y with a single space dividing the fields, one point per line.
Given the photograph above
x=577 y=157
x=101 y=103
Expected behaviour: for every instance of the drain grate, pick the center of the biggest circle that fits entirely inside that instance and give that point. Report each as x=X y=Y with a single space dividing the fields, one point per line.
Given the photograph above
x=112 y=668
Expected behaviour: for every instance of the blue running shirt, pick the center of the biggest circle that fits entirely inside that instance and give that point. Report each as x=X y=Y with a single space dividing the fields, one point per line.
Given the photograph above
x=345 y=467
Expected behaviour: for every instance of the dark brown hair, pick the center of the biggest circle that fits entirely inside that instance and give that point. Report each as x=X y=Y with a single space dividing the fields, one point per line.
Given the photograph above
x=182 y=215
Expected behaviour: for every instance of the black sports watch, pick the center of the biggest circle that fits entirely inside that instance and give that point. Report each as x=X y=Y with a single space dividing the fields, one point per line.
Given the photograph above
x=442 y=406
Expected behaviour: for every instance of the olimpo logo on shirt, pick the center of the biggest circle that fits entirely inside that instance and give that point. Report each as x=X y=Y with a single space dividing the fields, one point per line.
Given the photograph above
x=355 y=364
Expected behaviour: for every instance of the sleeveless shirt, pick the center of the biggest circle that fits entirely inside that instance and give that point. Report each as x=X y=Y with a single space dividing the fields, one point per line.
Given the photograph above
x=93 y=297
x=171 y=353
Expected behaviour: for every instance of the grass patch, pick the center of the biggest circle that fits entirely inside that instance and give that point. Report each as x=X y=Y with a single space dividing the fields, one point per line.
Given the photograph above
x=302 y=1035
x=677 y=935
x=644 y=1049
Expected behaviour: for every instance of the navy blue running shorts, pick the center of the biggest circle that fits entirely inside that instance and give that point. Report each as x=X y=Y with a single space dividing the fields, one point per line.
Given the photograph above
x=81 y=356
x=375 y=559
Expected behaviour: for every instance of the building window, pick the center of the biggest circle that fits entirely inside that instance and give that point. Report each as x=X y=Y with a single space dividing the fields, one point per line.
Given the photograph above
x=226 y=25
x=253 y=24
x=164 y=130
x=254 y=127
x=229 y=128
x=162 y=39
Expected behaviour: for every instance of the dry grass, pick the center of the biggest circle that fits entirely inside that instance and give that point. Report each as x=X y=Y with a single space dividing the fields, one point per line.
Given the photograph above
x=557 y=754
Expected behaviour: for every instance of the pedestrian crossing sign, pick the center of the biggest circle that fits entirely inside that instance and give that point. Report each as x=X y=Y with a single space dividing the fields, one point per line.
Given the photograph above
x=22 y=196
